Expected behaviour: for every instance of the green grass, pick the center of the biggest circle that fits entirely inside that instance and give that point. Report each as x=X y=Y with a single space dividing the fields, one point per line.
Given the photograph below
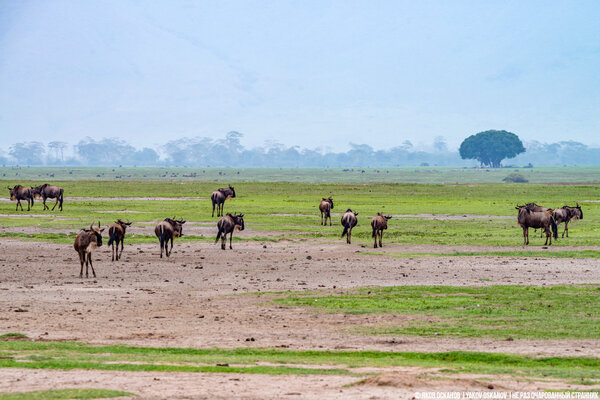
x=69 y=355
x=291 y=208
x=59 y=394
x=13 y=336
x=517 y=253
x=525 y=312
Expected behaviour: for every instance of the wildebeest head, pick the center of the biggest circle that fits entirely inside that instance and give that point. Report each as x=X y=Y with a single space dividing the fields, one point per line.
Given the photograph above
x=19 y=192
x=123 y=223
x=387 y=217
x=238 y=220
x=349 y=210
x=37 y=190
x=13 y=196
x=330 y=200
x=232 y=191
x=97 y=232
x=575 y=212
x=177 y=225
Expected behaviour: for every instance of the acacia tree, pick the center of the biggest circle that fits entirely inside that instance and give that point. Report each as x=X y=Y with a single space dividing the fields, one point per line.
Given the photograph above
x=491 y=147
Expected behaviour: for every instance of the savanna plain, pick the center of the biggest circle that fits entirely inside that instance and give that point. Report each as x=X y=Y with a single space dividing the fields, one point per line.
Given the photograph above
x=452 y=301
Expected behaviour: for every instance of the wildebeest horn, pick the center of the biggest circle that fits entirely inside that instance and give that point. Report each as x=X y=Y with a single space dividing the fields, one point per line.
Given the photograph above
x=92 y=226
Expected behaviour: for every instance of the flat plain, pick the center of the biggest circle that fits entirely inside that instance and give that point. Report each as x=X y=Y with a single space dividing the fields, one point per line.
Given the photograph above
x=453 y=301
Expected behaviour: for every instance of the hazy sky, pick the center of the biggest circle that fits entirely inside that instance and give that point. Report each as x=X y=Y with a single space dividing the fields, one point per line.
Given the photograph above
x=308 y=73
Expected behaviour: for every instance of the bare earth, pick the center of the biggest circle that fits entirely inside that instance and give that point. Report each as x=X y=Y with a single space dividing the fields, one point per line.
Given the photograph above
x=185 y=301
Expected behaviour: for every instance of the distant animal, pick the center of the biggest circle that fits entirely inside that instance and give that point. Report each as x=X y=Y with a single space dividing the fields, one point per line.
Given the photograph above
x=227 y=225
x=166 y=230
x=537 y=219
x=349 y=221
x=85 y=242
x=218 y=198
x=47 y=191
x=536 y=208
x=325 y=207
x=19 y=193
x=566 y=214
x=379 y=223
x=116 y=234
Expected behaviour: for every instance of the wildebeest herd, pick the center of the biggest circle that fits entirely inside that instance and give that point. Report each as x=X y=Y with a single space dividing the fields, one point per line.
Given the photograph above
x=530 y=215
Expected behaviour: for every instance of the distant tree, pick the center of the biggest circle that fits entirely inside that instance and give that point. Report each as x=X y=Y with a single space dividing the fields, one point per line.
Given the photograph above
x=146 y=157
x=107 y=151
x=439 y=144
x=491 y=147
x=407 y=145
x=58 y=148
x=28 y=153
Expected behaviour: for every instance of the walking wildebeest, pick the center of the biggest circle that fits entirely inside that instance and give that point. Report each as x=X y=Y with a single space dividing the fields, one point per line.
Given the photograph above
x=325 y=207
x=19 y=193
x=537 y=219
x=379 y=223
x=218 y=198
x=227 y=225
x=116 y=234
x=47 y=191
x=168 y=230
x=566 y=214
x=85 y=242
x=349 y=221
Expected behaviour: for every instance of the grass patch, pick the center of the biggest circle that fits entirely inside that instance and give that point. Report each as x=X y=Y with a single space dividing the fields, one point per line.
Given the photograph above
x=517 y=253
x=59 y=394
x=69 y=355
x=13 y=336
x=525 y=312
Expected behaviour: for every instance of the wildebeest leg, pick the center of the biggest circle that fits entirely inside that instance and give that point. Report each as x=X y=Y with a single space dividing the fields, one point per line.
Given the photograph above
x=380 y=238
x=17 y=207
x=525 y=236
x=349 y=236
x=55 y=203
x=81 y=260
x=91 y=265
x=113 y=252
x=122 y=242
x=213 y=213
x=44 y=203
x=321 y=217
x=566 y=229
x=375 y=244
x=230 y=240
x=223 y=241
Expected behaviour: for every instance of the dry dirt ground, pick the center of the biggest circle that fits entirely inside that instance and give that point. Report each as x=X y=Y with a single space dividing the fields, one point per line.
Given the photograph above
x=187 y=301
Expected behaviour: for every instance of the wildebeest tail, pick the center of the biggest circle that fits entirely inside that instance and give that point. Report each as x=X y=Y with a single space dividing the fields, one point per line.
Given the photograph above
x=346 y=227
x=113 y=237
x=61 y=197
x=162 y=235
x=374 y=231
x=554 y=228
x=219 y=235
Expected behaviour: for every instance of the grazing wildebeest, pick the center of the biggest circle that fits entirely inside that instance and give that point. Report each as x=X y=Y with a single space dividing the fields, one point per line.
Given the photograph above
x=85 y=242
x=325 y=207
x=537 y=219
x=168 y=230
x=227 y=225
x=379 y=223
x=47 y=191
x=566 y=214
x=19 y=193
x=349 y=221
x=116 y=234
x=218 y=198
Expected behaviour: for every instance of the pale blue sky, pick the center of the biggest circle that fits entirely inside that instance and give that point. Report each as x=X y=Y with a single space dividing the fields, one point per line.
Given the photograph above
x=308 y=73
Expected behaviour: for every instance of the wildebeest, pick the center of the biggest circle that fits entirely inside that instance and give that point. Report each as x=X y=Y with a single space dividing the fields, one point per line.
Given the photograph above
x=218 y=198
x=116 y=234
x=537 y=219
x=85 y=242
x=19 y=193
x=167 y=230
x=536 y=208
x=227 y=225
x=566 y=214
x=325 y=207
x=379 y=223
x=349 y=221
x=47 y=191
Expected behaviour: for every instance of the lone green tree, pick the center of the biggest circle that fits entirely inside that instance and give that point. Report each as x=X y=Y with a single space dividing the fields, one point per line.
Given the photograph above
x=491 y=147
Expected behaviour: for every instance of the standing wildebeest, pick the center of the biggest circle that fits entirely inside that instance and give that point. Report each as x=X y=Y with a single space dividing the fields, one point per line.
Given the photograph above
x=537 y=219
x=325 y=207
x=349 y=221
x=536 y=208
x=227 y=225
x=566 y=214
x=379 y=223
x=19 y=193
x=218 y=198
x=116 y=233
x=85 y=242
x=47 y=191
x=168 y=230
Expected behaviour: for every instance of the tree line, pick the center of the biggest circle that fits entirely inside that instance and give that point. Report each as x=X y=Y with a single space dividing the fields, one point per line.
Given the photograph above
x=229 y=152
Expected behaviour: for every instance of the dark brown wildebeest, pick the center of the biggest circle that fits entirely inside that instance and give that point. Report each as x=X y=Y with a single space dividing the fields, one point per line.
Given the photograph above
x=379 y=223
x=536 y=208
x=227 y=225
x=116 y=234
x=85 y=242
x=218 y=198
x=19 y=193
x=537 y=219
x=325 y=207
x=168 y=230
x=566 y=214
x=47 y=191
x=349 y=221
